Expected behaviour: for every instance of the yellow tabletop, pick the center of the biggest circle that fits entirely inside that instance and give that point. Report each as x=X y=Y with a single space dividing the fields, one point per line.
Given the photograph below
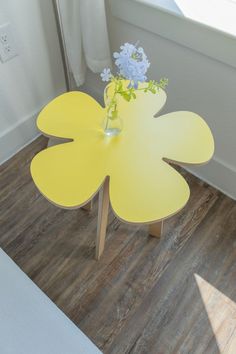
x=143 y=186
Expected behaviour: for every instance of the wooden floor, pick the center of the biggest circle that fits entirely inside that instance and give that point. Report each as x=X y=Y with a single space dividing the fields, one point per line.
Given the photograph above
x=177 y=295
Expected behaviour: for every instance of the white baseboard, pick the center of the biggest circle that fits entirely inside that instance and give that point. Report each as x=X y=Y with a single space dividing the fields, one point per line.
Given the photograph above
x=217 y=174
x=17 y=137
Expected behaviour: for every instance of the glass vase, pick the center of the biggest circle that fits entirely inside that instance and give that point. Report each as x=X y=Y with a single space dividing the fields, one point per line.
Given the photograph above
x=112 y=124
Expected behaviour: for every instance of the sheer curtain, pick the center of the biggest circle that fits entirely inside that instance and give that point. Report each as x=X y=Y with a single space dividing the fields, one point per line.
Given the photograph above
x=85 y=32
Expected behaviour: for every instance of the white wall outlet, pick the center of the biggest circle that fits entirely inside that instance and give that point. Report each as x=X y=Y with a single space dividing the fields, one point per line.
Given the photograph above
x=7 y=43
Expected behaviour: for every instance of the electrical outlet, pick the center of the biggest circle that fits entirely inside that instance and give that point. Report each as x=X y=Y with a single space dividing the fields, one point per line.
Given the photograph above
x=7 y=43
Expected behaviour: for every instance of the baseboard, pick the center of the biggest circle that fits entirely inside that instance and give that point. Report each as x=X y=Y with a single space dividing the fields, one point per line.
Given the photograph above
x=17 y=137
x=217 y=174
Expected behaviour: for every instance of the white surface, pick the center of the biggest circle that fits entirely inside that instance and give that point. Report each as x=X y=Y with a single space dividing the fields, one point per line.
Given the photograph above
x=85 y=31
x=30 y=323
x=183 y=30
x=7 y=43
x=34 y=77
x=218 y=14
x=196 y=83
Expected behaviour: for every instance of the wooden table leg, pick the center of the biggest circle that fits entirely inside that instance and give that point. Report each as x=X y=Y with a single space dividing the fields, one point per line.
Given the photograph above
x=156 y=229
x=88 y=206
x=103 y=209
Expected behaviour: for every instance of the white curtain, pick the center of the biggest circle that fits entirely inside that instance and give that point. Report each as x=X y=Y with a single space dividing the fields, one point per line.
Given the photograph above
x=85 y=32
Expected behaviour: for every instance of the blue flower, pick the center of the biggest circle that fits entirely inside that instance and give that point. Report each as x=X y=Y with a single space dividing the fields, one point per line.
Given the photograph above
x=132 y=63
x=106 y=75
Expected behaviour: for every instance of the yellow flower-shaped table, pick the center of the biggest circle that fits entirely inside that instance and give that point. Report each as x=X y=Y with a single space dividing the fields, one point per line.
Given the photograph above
x=131 y=169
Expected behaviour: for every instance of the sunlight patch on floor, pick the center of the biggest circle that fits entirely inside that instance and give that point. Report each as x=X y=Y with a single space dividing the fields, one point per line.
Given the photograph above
x=221 y=311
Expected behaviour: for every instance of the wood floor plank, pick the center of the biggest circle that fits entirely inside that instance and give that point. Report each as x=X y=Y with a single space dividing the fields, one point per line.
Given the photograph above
x=173 y=319
x=168 y=296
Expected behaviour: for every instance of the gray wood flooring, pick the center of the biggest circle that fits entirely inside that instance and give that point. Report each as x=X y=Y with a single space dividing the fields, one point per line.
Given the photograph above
x=176 y=295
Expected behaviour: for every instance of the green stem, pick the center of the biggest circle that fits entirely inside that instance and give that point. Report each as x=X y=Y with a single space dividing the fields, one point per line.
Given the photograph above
x=112 y=107
x=112 y=103
x=106 y=123
x=138 y=89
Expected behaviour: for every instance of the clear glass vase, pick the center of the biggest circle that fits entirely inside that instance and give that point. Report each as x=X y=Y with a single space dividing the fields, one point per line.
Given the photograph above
x=112 y=124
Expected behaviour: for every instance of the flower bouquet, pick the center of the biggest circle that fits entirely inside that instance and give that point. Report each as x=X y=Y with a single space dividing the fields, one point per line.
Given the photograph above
x=132 y=66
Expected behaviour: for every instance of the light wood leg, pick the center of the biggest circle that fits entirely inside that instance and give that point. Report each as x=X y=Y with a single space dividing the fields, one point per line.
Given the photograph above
x=88 y=206
x=156 y=229
x=103 y=209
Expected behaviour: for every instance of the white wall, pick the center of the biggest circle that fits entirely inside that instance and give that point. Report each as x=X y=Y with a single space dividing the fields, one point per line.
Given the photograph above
x=34 y=77
x=196 y=83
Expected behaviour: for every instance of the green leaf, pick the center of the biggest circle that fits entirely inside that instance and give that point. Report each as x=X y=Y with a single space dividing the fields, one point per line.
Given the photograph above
x=126 y=95
x=114 y=114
